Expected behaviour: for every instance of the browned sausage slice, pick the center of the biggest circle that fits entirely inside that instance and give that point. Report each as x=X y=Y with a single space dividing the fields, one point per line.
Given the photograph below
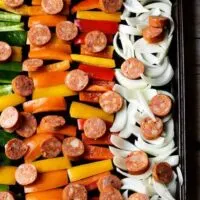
x=111 y=102
x=110 y=193
x=22 y=85
x=32 y=64
x=14 y=3
x=132 y=68
x=138 y=196
x=52 y=7
x=51 y=148
x=158 y=21
x=95 y=41
x=137 y=162
x=15 y=149
x=5 y=51
x=66 y=30
x=52 y=122
x=6 y=196
x=28 y=125
x=153 y=35
x=39 y=35
x=72 y=147
x=26 y=174
x=109 y=180
x=162 y=172
x=151 y=130
x=110 y=6
x=74 y=191
x=77 y=80
x=161 y=105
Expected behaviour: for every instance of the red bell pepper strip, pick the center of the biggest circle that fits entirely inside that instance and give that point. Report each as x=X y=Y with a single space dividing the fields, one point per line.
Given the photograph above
x=98 y=73
x=90 y=25
x=100 y=86
x=90 y=97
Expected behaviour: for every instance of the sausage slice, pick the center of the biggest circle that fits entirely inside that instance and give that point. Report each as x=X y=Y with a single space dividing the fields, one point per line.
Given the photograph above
x=6 y=196
x=22 y=85
x=28 y=125
x=138 y=196
x=95 y=41
x=110 y=193
x=158 y=21
x=32 y=64
x=111 y=102
x=51 y=148
x=94 y=128
x=15 y=149
x=77 y=80
x=162 y=172
x=151 y=130
x=26 y=174
x=5 y=51
x=110 y=6
x=161 y=105
x=72 y=147
x=66 y=30
x=137 y=162
x=52 y=7
x=14 y=3
x=74 y=191
x=39 y=35
x=109 y=180
x=52 y=122
x=132 y=68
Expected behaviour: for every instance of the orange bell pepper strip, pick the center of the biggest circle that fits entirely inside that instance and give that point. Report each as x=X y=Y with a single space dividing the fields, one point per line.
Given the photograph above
x=58 y=66
x=90 y=183
x=50 y=195
x=86 y=5
x=90 y=97
x=47 y=181
x=47 y=79
x=38 y=2
x=106 y=53
x=100 y=86
x=45 y=105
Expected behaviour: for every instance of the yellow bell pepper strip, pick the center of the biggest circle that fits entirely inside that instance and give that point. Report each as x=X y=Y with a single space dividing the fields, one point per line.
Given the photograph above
x=7 y=175
x=52 y=164
x=53 y=91
x=38 y=2
x=59 y=66
x=47 y=181
x=99 y=16
x=84 y=111
x=106 y=53
x=10 y=100
x=48 y=20
x=55 y=194
x=100 y=62
x=16 y=54
x=87 y=170
x=45 y=105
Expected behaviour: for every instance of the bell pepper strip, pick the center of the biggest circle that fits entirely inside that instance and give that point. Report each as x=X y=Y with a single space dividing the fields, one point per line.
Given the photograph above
x=84 y=111
x=85 y=5
x=98 y=16
x=7 y=175
x=38 y=2
x=16 y=54
x=59 y=66
x=52 y=164
x=86 y=170
x=45 y=105
x=48 y=79
x=107 y=27
x=50 y=195
x=100 y=86
x=90 y=183
x=48 y=20
x=10 y=100
x=98 y=73
x=53 y=91
x=96 y=153
x=90 y=97
x=80 y=39
x=68 y=130
x=4 y=188
x=105 y=140
x=106 y=53
x=89 y=60
x=47 y=181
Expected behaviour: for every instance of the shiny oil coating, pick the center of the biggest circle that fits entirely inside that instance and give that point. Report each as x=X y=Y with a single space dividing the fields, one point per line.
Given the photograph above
x=110 y=193
x=158 y=21
x=138 y=196
x=110 y=6
x=32 y=64
x=5 y=51
x=6 y=196
x=14 y=3
x=52 y=7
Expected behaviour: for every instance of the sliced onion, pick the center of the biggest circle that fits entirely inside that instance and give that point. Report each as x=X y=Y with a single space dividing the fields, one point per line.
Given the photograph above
x=134 y=6
x=119 y=152
x=167 y=94
x=172 y=160
x=180 y=176
x=162 y=6
x=149 y=94
x=125 y=195
x=173 y=185
x=155 y=197
x=157 y=142
x=167 y=118
x=125 y=14
x=129 y=30
x=119 y=162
